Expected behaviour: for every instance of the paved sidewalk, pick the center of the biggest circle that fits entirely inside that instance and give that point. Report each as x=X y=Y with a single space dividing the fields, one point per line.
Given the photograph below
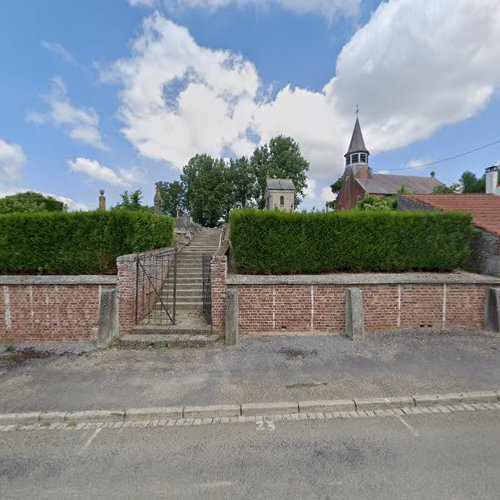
x=259 y=369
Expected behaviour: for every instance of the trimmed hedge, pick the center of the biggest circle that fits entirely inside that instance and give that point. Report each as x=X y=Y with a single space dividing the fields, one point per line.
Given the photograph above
x=77 y=243
x=272 y=242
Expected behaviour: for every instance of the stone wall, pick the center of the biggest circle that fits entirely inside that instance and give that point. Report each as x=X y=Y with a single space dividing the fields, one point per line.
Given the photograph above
x=485 y=253
x=316 y=304
x=50 y=308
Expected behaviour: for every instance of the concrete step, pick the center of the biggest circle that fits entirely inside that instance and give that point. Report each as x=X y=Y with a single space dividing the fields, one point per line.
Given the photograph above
x=167 y=329
x=154 y=341
x=184 y=293
x=189 y=306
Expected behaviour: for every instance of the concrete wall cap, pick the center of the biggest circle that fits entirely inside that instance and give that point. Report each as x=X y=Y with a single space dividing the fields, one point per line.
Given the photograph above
x=348 y=279
x=66 y=280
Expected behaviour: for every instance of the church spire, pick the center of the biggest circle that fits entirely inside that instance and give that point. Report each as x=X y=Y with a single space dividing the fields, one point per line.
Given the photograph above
x=357 y=152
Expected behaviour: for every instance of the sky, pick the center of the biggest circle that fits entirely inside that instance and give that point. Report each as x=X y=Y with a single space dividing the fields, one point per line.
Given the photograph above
x=119 y=94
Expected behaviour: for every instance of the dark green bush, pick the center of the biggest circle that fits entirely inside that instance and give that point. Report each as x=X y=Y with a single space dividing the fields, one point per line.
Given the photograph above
x=272 y=242
x=77 y=243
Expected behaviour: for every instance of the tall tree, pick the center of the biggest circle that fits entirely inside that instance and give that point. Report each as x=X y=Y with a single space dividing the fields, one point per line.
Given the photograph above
x=132 y=201
x=173 y=196
x=281 y=159
x=471 y=184
x=30 y=202
x=205 y=182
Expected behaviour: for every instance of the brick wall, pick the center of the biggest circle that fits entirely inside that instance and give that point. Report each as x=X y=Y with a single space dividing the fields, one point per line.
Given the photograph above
x=218 y=269
x=290 y=304
x=40 y=310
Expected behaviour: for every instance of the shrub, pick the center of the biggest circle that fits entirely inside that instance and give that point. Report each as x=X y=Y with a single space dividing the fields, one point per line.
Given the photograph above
x=77 y=243
x=268 y=242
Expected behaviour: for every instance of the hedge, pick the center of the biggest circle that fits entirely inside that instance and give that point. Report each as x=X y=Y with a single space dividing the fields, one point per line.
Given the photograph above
x=77 y=243
x=272 y=242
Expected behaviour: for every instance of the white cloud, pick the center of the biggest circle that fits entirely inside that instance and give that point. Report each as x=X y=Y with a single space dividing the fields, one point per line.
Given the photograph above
x=142 y=3
x=59 y=50
x=179 y=98
x=328 y=8
x=81 y=124
x=12 y=160
x=94 y=170
x=413 y=68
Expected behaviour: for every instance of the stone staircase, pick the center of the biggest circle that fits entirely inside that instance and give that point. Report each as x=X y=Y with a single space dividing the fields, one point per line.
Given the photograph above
x=191 y=328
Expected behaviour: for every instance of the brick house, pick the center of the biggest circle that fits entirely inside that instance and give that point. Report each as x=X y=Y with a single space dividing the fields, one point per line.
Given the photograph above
x=485 y=210
x=358 y=180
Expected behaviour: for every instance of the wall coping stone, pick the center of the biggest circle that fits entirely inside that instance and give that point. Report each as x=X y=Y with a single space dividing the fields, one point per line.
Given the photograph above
x=459 y=278
x=66 y=280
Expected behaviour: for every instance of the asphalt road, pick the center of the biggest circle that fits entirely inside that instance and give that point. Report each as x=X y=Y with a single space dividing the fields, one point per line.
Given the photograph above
x=436 y=456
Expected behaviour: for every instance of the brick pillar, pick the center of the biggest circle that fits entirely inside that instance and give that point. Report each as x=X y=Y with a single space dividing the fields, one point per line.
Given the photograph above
x=125 y=287
x=218 y=269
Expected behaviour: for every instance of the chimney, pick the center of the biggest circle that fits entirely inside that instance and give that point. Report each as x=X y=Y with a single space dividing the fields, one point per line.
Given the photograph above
x=492 y=180
x=102 y=200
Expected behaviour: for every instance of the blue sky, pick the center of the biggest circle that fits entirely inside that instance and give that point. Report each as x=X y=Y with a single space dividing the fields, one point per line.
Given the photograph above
x=118 y=94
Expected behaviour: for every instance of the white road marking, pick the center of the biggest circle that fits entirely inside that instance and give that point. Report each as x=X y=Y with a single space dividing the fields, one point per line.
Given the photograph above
x=89 y=441
x=409 y=427
x=265 y=423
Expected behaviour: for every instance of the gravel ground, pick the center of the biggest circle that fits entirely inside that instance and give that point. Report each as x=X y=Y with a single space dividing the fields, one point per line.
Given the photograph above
x=258 y=369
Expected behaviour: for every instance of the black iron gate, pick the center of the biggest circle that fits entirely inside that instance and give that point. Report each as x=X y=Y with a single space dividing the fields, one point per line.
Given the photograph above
x=206 y=260
x=156 y=288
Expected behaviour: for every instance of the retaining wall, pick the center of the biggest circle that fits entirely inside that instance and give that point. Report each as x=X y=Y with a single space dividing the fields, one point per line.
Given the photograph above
x=50 y=308
x=317 y=303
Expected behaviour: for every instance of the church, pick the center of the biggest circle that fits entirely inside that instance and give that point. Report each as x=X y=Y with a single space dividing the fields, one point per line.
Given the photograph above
x=358 y=180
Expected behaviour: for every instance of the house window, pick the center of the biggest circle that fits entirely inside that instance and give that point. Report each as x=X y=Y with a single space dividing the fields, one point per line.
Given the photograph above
x=282 y=200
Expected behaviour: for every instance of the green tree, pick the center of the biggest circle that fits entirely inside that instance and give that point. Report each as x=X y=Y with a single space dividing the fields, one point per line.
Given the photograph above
x=173 y=196
x=281 y=159
x=207 y=191
x=335 y=187
x=30 y=202
x=373 y=203
x=132 y=201
x=243 y=181
x=471 y=184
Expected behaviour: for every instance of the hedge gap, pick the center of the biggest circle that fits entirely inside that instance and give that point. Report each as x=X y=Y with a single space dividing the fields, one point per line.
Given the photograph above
x=77 y=243
x=272 y=242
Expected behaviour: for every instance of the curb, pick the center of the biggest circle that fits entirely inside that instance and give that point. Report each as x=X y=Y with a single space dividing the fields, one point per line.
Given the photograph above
x=251 y=409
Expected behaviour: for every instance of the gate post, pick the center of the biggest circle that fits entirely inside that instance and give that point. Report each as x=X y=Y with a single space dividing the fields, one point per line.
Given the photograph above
x=232 y=316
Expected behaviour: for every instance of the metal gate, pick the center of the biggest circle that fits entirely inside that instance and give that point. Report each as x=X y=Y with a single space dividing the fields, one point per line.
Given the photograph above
x=206 y=260
x=156 y=288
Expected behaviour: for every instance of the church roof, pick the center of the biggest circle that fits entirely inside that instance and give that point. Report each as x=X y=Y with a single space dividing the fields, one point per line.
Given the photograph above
x=357 y=142
x=280 y=185
x=391 y=184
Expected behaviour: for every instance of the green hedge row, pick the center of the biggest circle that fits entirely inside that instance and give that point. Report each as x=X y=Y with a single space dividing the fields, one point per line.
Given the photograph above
x=77 y=243
x=272 y=242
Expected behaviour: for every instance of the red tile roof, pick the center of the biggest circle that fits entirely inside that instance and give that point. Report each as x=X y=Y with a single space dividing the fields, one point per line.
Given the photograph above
x=485 y=208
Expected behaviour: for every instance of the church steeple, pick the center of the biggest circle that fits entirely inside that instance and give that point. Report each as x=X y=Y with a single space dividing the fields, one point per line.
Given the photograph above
x=357 y=154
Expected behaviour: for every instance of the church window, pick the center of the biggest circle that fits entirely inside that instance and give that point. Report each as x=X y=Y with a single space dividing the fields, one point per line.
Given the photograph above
x=355 y=158
x=362 y=158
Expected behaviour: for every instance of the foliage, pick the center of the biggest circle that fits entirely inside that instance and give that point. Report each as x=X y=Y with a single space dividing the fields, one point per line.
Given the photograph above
x=207 y=190
x=268 y=242
x=443 y=189
x=30 y=202
x=281 y=159
x=77 y=243
x=335 y=187
x=471 y=184
x=213 y=186
x=173 y=196
x=132 y=202
x=374 y=203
